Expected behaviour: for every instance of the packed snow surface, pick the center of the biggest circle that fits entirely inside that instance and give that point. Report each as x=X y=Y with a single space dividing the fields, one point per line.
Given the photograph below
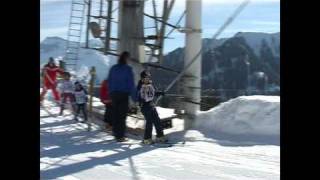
x=69 y=151
x=245 y=115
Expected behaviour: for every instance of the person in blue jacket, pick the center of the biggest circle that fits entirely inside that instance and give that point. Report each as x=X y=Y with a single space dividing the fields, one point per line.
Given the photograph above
x=121 y=86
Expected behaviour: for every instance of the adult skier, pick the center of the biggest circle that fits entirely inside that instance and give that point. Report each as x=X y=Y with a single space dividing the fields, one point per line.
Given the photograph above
x=121 y=86
x=50 y=72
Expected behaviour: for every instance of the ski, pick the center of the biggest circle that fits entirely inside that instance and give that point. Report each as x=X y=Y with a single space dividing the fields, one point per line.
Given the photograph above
x=169 y=144
x=162 y=145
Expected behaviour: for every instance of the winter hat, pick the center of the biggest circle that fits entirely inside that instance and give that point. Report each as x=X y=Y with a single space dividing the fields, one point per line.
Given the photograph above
x=66 y=74
x=144 y=74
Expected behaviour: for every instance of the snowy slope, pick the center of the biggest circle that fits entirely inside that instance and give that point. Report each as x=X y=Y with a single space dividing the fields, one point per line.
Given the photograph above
x=56 y=47
x=69 y=151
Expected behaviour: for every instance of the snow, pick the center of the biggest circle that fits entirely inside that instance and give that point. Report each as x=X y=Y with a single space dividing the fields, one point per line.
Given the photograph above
x=69 y=151
x=56 y=47
x=250 y=116
x=131 y=121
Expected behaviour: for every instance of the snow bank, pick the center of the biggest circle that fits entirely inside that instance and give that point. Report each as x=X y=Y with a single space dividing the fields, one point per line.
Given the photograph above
x=56 y=47
x=245 y=115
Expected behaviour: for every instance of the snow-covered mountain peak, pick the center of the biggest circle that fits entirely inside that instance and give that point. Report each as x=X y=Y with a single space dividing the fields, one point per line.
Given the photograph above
x=255 y=40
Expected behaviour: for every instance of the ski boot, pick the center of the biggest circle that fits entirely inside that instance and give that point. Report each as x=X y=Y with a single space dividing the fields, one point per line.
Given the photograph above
x=161 y=139
x=122 y=139
x=108 y=127
x=147 y=141
x=76 y=119
x=84 y=121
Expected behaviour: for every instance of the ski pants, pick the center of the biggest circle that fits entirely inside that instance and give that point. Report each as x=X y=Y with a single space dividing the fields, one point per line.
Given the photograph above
x=83 y=108
x=120 y=107
x=65 y=97
x=152 y=118
x=108 y=114
x=54 y=92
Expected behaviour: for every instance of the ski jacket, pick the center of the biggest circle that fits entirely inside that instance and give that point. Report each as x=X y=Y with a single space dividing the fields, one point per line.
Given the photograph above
x=50 y=74
x=121 y=79
x=104 y=91
x=140 y=99
x=147 y=92
x=81 y=96
x=67 y=87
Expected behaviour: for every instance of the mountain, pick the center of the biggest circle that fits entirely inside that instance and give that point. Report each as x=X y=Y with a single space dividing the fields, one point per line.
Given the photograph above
x=56 y=47
x=241 y=62
x=255 y=41
x=224 y=62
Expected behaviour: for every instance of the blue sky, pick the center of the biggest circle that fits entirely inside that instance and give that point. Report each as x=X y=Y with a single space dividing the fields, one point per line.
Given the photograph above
x=258 y=16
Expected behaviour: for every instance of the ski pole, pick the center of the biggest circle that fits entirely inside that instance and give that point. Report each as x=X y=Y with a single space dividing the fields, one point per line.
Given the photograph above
x=91 y=85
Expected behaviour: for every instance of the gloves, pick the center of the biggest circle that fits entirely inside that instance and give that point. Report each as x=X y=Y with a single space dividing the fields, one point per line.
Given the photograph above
x=160 y=93
x=137 y=106
x=106 y=101
x=134 y=109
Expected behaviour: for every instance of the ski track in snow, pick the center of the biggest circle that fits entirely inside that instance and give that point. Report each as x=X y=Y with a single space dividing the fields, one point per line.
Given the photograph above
x=70 y=152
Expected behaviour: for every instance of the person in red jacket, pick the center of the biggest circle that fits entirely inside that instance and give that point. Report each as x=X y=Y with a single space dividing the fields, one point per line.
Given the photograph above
x=106 y=100
x=50 y=72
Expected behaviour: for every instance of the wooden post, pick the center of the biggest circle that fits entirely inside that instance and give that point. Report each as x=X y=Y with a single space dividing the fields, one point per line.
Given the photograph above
x=62 y=64
x=91 y=88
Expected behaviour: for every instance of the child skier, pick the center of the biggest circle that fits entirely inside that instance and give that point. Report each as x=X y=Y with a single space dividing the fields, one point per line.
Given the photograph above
x=67 y=91
x=81 y=100
x=106 y=100
x=146 y=94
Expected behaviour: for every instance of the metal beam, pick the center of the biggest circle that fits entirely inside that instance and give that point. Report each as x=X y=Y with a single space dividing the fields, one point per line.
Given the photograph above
x=88 y=22
x=108 y=27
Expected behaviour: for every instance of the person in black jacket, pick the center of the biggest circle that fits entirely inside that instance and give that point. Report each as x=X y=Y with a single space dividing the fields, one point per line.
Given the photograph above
x=146 y=94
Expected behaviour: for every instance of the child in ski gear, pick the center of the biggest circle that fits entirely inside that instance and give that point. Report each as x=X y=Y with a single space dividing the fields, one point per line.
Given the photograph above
x=67 y=92
x=50 y=72
x=147 y=94
x=106 y=100
x=81 y=100
x=144 y=74
x=121 y=85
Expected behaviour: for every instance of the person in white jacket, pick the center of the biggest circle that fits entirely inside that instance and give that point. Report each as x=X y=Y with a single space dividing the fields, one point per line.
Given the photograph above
x=81 y=100
x=67 y=92
x=147 y=94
